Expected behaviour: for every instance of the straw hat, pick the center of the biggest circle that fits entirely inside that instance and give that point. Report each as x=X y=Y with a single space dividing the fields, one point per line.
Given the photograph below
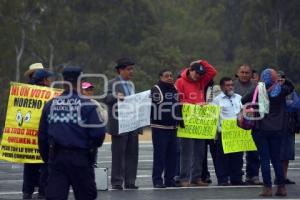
x=32 y=68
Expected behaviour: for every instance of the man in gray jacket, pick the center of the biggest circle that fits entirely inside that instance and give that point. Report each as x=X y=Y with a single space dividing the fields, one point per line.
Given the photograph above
x=242 y=86
x=124 y=146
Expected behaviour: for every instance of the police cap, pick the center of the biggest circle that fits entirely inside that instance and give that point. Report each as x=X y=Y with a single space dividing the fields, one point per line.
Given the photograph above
x=71 y=74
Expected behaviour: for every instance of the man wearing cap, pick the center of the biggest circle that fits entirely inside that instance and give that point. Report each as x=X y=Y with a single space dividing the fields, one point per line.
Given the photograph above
x=69 y=129
x=124 y=146
x=191 y=89
x=36 y=174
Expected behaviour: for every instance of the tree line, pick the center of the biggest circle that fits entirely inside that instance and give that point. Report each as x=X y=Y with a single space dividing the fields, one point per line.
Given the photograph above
x=157 y=34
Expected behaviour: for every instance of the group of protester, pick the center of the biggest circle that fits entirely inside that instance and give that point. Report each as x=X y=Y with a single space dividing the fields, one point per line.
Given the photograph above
x=177 y=162
x=273 y=133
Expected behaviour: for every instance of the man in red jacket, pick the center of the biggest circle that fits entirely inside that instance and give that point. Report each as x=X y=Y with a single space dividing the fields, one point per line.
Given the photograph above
x=191 y=88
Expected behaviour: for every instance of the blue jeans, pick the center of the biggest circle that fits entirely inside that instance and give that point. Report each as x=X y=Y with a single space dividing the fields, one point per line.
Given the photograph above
x=268 y=145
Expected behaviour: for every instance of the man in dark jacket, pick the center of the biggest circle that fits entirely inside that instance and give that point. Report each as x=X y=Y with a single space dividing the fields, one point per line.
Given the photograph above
x=165 y=115
x=36 y=174
x=124 y=146
x=69 y=129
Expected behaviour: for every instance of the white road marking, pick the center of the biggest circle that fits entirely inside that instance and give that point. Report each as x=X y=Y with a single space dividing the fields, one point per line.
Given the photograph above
x=172 y=188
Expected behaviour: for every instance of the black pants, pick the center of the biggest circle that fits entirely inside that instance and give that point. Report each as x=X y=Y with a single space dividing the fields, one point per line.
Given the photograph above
x=212 y=149
x=164 y=155
x=228 y=166
x=124 y=150
x=71 y=169
x=34 y=175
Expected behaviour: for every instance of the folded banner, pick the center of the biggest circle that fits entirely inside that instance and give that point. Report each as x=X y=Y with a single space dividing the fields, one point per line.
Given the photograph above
x=235 y=139
x=19 y=139
x=134 y=112
x=200 y=121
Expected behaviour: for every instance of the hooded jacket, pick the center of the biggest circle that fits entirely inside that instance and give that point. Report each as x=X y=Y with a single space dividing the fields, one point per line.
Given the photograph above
x=274 y=121
x=194 y=91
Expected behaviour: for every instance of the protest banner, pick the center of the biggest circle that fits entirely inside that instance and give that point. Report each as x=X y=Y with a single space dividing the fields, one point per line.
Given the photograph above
x=200 y=121
x=19 y=139
x=134 y=112
x=235 y=139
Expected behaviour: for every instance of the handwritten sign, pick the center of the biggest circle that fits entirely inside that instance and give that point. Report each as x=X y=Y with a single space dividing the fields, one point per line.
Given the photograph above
x=235 y=139
x=200 y=121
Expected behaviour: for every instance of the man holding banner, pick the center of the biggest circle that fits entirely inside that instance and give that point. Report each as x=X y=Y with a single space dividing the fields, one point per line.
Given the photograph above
x=228 y=166
x=191 y=87
x=36 y=174
x=124 y=146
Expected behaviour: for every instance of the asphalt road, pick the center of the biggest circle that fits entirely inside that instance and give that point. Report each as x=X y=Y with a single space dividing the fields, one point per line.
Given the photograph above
x=11 y=182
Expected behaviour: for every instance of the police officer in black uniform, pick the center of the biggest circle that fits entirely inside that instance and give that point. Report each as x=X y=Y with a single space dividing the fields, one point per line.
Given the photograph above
x=70 y=130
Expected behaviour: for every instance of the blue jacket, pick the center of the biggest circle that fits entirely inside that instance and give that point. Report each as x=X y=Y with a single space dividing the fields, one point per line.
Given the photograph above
x=70 y=122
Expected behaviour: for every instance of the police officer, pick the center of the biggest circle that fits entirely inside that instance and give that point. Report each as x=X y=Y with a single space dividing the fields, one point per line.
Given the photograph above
x=69 y=129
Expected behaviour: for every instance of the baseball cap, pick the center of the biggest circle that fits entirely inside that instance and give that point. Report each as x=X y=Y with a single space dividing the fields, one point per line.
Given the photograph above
x=41 y=74
x=198 y=68
x=86 y=85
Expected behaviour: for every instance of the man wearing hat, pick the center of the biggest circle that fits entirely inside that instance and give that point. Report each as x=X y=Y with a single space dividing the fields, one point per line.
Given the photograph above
x=70 y=128
x=32 y=68
x=42 y=77
x=191 y=88
x=36 y=174
x=124 y=146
